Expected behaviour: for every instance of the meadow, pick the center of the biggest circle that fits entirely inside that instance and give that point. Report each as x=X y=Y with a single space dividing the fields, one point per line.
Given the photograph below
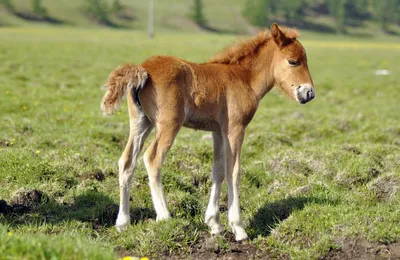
x=320 y=181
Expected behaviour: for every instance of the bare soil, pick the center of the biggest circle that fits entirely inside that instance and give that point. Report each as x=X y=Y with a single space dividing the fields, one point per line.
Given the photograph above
x=208 y=248
x=360 y=249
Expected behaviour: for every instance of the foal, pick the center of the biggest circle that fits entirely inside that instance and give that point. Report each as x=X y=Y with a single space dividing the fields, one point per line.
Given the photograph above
x=221 y=96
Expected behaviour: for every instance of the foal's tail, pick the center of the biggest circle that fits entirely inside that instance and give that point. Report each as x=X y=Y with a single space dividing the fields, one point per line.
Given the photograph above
x=128 y=76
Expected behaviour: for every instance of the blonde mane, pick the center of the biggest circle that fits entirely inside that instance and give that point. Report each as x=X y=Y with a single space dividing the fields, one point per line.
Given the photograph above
x=234 y=53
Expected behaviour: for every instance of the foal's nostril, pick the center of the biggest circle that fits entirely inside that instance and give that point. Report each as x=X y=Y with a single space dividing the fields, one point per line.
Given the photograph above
x=309 y=94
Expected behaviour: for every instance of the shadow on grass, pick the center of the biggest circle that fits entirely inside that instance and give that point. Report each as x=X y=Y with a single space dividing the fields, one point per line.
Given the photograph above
x=269 y=216
x=93 y=207
x=35 y=18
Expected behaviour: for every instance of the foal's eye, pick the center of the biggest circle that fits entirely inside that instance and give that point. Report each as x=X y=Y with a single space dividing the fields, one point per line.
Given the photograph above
x=293 y=62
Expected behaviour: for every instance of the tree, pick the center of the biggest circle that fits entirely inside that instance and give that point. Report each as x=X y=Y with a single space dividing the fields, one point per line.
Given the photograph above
x=292 y=10
x=98 y=9
x=8 y=4
x=257 y=12
x=197 y=13
x=116 y=7
x=337 y=9
x=387 y=13
x=38 y=9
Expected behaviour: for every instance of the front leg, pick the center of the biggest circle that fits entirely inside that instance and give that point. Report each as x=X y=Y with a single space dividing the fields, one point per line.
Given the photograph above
x=218 y=172
x=233 y=145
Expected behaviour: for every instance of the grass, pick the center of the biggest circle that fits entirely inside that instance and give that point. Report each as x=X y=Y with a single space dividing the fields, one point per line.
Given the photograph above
x=313 y=176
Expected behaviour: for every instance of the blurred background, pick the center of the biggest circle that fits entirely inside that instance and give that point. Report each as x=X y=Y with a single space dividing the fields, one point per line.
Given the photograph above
x=356 y=17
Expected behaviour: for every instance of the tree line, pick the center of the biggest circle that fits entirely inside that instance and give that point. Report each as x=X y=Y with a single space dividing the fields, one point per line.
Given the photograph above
x=344 y=12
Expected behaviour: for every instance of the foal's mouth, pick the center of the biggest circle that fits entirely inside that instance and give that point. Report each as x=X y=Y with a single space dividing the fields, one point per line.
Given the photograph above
x=305 y=94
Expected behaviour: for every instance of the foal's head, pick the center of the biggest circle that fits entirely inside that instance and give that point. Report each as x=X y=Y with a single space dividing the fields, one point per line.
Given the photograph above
x=290 y=69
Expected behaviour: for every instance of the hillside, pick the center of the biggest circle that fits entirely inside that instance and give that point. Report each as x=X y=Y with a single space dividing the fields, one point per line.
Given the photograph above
x=223 y=15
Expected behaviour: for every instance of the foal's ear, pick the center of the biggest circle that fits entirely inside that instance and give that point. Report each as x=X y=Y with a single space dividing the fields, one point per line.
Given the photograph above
x=278 y=36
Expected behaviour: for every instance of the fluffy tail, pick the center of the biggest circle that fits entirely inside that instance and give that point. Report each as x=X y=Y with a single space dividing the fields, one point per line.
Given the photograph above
x=128 y=76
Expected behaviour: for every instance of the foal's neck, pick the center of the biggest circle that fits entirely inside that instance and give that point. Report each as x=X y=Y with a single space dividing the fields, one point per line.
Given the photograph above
x=261 y=69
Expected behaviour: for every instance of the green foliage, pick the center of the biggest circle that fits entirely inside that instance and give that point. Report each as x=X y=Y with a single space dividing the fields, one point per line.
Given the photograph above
x=293 y=10
x=388 y=12
x=38 y=8
x=338 y=11
x=344 y=12
x=98 y=9
x=197 y=13
x=116 y=7
x=257 y=12
x=8 y=4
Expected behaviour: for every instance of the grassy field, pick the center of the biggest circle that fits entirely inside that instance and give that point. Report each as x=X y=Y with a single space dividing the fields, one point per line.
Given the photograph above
x=320 y=180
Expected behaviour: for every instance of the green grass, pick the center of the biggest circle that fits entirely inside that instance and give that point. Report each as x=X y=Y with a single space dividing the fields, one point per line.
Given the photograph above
x=313 y=175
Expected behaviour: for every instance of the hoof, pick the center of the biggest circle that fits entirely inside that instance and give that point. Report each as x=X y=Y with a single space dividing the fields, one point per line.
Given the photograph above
x=163 y=217
x=240 y=234
x=216 y=229
x=122 y=223
x=121 y=228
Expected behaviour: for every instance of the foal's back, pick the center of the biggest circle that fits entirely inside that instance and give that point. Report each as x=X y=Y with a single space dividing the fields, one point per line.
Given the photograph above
x=196 y=95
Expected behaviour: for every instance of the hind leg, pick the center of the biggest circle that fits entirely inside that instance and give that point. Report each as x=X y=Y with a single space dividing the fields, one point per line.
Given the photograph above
x=154 y=158
x=233 y=145
x=140 y=127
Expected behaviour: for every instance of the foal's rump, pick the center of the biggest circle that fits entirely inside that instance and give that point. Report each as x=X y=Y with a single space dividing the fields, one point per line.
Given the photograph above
x=124 y=77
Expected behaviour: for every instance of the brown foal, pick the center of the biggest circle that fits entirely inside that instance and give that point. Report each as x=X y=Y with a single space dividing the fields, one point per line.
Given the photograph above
x=221 y=96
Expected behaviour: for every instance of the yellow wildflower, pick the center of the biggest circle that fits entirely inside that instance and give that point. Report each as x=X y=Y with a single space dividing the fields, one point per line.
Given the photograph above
x=7 y=92
x=129 y=258
x=25 y=107
x=10 y=234
x=37 y=151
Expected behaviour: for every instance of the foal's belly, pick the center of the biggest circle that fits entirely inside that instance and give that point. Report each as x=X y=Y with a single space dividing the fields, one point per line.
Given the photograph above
x=202 y=124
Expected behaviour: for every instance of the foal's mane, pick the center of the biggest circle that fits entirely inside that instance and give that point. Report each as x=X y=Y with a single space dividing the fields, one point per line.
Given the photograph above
x=234 y=53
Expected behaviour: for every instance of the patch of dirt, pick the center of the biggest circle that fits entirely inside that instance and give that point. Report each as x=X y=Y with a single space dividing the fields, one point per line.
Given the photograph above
x=357 y=179
x=27 y=198
x=96 y=174
x=209 y=248
x=4 y=207
x=352 y=149
x=300 y=191
x=213 y=247
x=360 y=249
x=23 y=201
x=5 y=143
x=343 y=126
x=289 y=166
x=385 y=188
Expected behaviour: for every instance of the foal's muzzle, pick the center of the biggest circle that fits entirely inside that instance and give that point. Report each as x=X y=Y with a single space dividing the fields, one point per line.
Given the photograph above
x=305 y=93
